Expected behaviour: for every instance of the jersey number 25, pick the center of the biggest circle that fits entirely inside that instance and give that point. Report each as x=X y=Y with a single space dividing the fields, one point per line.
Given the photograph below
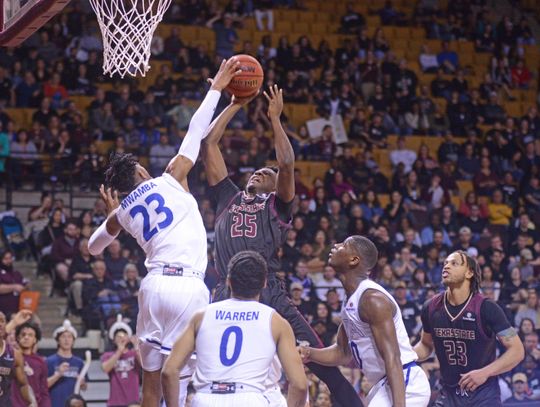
x=159 y=209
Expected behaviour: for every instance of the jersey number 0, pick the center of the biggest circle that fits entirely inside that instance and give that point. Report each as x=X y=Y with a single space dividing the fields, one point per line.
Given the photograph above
x=159 y=209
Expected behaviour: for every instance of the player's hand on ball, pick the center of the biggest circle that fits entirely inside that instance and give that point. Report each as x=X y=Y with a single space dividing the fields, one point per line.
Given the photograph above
x=275 y=101
x=228 y=70
x=110 y=197
x=472 y=380
x=243 y=101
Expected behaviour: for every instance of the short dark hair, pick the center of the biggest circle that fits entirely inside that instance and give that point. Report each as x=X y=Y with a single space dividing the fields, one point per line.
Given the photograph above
x=120 y=175
x=366 y=249
x=247 y=273
x=28 y=325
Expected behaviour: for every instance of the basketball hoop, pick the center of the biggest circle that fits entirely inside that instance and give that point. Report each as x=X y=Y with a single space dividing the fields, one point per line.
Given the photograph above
x=127 y=27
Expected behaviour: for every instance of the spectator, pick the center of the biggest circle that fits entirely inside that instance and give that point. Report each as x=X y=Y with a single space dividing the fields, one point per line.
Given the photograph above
x=122 y=365
x=63 y=367
x=226 y=36
x=64 y=249
x=530 y=310
x=80 y=270
x=28 y=335
x=262 y=10
x=448 y=59
x=160 y=155
x=12 y=284
x=100 y=299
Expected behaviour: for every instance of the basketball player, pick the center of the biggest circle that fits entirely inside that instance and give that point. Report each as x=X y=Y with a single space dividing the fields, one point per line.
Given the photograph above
x=461 y=325
x=12 y=368
x=236 y=341
x=258 y=219
x=372 y=332
x=163 y=217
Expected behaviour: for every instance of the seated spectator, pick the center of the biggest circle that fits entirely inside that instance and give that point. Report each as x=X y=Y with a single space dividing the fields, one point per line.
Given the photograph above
x=100 y=300
x=428 y=62
x=529 y=310
x=499 y=212
x=485 y=181
x=79 y=271
x=404 y=265
x=448 y=59
x=128 y=291
x=160 y=155
x=12 y=284
x=122 y=365
x=352 y=22
x=521 y=76
x=63 y=367
x=327 y=282
x=114 y=261
x=64 y=249
x=520 y=389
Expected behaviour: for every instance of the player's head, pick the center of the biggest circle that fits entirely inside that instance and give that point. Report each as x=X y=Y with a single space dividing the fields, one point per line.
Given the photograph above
x=124 y=173
x=262 y=181
x=247 y=272
x=458 y=268
x=356 y=252
x=27 y=335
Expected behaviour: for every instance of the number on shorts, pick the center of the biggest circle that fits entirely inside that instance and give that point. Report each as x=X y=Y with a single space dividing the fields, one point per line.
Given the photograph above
x=238 y=336
x=356 y=353
x=456 y=352
x=248 y=221
x=159 y=209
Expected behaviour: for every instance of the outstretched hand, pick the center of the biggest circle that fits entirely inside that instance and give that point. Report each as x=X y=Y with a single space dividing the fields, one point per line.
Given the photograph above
x=227 y=71
x=110 y=197
x=275 y=101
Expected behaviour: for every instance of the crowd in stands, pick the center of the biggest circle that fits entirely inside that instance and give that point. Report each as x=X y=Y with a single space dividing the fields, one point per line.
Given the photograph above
x=424 y=219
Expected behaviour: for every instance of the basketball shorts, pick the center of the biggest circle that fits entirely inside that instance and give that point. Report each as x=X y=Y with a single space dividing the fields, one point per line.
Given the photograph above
x=487 y=395
x=251 y=399
x=417 y=389
x=166 y=305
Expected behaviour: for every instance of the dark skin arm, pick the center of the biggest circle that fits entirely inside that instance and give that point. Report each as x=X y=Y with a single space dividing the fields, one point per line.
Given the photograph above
x=284 y=151
x=20 y=377
x=378 y=311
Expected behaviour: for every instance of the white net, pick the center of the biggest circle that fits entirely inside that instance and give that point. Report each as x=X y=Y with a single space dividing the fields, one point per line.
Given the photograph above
x=127 y=27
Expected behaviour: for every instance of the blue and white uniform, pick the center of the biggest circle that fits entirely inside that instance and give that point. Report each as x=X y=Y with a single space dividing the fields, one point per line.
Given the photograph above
x=367 y=356
x=166 y=222
x=235 y=349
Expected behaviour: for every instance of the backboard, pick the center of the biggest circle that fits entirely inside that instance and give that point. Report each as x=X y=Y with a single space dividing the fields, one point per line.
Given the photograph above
x=21 y=18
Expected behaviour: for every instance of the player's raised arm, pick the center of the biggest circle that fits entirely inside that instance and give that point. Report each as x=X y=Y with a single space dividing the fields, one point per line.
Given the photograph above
x=290 y=361
x=216 y=169
x=182 y=163
x=339 y=354
x=378 y=311
x=180 y=353
x=108 y=230
x=284 y=151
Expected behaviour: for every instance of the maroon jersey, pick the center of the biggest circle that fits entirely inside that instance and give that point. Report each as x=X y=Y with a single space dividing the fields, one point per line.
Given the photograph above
x=464 y=336
x=7 y=361
x=248 y=223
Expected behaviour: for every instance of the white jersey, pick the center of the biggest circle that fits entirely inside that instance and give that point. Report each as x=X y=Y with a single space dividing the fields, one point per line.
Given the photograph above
x=166 y=222
x=361 y=340
x=235 y=344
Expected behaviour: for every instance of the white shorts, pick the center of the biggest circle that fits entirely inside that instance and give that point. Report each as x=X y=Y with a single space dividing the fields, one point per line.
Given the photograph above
x=166 y=305
x=229 y=400
x=275 y=397
x=417 y=390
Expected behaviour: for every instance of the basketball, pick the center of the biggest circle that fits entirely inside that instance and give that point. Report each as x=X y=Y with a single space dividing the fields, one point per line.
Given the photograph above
x=250 y=80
